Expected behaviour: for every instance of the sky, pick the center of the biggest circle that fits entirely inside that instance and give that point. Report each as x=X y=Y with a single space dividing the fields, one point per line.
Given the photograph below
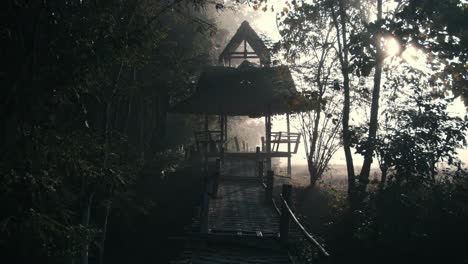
x=264 y=23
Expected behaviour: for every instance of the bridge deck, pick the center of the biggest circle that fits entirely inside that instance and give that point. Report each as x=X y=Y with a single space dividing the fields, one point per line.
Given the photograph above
x=240 y=207
x=243 y=228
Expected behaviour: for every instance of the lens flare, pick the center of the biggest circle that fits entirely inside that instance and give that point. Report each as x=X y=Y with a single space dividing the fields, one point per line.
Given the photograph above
x=391 y=47
x=415 y=57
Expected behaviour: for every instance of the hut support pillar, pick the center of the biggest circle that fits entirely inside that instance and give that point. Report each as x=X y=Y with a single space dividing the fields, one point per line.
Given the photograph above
x=225 y=129
x=207 y=144
x=222 y=124
x=268 y=138
x=289 y=145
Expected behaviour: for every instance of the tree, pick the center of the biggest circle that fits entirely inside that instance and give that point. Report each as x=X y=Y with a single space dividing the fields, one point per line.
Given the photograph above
x=419 y=134
x=406 y=24
x=308 y=42
x=340 y=17
x=70 y=76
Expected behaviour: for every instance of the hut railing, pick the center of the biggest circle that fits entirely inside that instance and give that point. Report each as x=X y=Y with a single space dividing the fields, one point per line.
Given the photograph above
x=281 y=137
x=209 y=140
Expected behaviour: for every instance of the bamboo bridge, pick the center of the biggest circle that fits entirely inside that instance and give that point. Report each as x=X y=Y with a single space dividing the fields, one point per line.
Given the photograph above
x=245 y=218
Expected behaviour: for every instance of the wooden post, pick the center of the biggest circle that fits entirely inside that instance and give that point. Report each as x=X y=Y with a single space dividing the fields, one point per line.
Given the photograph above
x=269 y=184
x=222 y=136
x=226 y=128
x=245 y=50
x=279 y=141
x=259 y=164
x=236 y=142
x=216 y=176
x=221 y=126
x=263 y=143
x=268 y=137
x=207 y=145
x=260 y=170
x=289 y=145
x=206 y=131
x=284 y=220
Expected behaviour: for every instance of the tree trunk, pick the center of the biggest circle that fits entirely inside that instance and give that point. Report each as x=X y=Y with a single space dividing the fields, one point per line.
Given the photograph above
x=313 y=173
x=142 y=130
x=129 y=114
x=104 y=232
x=313 y=145
x=347 y=101
x=365 y=171
x=383 y=178
x=85 y=222
x=105 y=166
x=107 y=134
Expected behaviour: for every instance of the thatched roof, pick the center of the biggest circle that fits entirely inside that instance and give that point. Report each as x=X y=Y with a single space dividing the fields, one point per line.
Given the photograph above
x=245 y=32
x=246 y=90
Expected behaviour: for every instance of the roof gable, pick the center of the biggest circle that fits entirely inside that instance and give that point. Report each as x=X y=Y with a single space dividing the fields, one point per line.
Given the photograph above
x=245 y=32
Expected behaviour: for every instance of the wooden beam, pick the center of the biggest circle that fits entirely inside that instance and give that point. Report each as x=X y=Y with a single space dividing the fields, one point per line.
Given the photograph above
x=243 y=57
x=284 y=219
x=288 y=131
x=245 y=49
x=226 y=127
x=222 y=139
x=268 y=136
x=269 y=184
x=297 y=144
x=278 y=141
x=242 y=53
x=207 y=144
x=250 y=155
x=221 y=126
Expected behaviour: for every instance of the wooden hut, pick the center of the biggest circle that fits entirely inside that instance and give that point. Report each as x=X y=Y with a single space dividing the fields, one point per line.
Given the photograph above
x=254 y=88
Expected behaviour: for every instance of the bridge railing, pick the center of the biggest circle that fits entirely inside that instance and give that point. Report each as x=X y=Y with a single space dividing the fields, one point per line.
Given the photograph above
x=210 y=190
x=287 y=215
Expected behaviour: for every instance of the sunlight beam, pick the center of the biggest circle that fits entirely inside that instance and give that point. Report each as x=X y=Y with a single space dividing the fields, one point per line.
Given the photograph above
x=391 y=47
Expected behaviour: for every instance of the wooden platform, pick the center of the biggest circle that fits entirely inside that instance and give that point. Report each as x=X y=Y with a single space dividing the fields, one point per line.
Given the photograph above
x=223 y=254
x=240 y=207
x=243 y=228
x=239 y=225
x=250 y=155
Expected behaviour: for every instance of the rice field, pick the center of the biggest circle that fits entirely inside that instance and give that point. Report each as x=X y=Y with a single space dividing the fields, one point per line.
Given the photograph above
x=336 y=176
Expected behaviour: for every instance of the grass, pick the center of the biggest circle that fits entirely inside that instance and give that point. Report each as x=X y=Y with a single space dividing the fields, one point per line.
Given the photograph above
x=399 y=225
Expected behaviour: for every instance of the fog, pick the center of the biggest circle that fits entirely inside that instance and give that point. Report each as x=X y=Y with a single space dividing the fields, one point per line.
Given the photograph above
x=264 y=23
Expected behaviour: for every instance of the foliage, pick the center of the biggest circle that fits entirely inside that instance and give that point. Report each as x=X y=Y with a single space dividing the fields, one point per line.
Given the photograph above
x=425 y=136
x=307 y=44
x=83 y=112
x=415 y=223
x=435 y=27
